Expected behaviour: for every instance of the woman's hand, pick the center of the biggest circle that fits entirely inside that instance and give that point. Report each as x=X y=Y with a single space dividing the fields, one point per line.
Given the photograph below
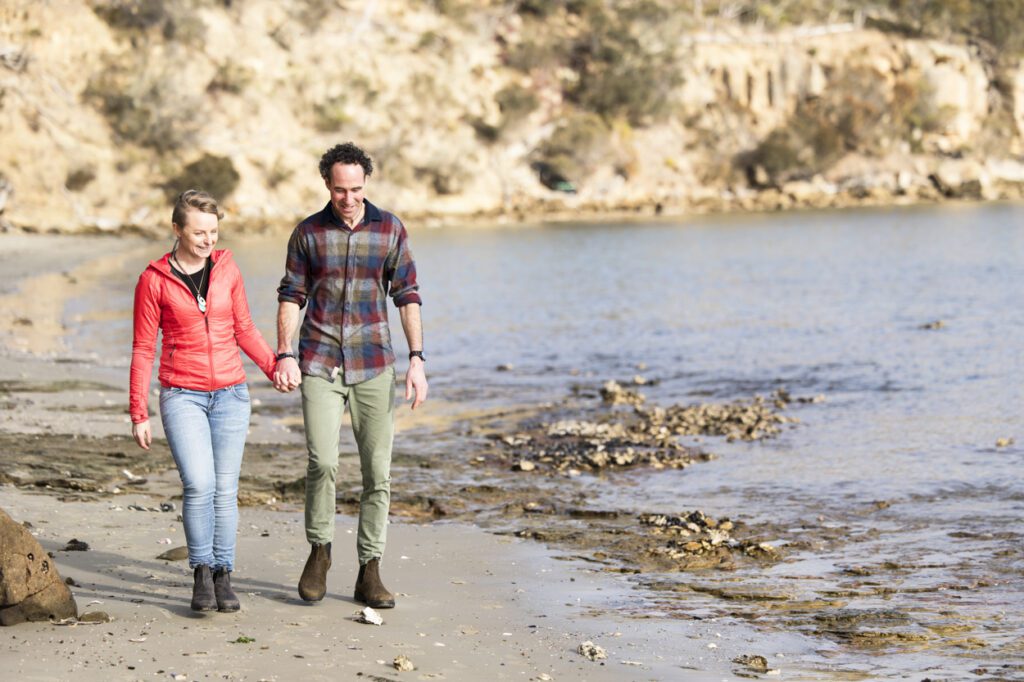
x=142 y=434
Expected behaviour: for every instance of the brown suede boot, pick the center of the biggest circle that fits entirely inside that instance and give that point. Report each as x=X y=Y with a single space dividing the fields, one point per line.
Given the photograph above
x=313 y=583
x=370 y=590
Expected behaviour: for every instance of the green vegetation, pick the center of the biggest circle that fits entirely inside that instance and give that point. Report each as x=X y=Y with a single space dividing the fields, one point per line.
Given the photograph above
x=231 y=77
x=175 y=21
x=214 y=174
x=576 y=147
x=331 y=115
x=143 y=106
x=78 y=178
x=1000 y=23
x=854 y=114
x=243 y=639
x=515 y=103
x=623 y=62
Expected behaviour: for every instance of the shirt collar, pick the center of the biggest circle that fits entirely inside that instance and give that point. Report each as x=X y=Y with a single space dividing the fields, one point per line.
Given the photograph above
x=370 y=214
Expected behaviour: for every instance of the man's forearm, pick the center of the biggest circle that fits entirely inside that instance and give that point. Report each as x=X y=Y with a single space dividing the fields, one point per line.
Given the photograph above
x=412 y=326
x=287 y=321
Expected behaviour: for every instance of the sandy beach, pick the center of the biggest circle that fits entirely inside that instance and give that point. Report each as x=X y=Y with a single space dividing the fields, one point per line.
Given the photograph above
x=471 y=605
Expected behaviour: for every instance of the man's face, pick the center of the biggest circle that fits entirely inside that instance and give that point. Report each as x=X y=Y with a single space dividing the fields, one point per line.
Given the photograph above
x=347 y=185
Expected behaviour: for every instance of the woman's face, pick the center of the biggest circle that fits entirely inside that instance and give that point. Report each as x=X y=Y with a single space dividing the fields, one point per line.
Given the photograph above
x=198 y=235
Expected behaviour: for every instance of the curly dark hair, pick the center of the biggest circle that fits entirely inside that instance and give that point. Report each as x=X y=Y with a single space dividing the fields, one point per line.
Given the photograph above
x=344 y=154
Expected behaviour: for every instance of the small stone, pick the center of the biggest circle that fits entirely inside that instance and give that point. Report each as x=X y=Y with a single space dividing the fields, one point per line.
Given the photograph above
x=402 y=663
x=524 y=465
x=369 y=616
x=754 y=662
x=168 y=507
x=95 y=617
x=506 y=367
x=591 y=651
x=1004 y=442
x=931 y=326
x=76 y=545
x=176 y=554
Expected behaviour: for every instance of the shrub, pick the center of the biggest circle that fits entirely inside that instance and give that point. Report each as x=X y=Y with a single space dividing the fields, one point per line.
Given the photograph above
x=144 y=108
x=213 y=174
x=620 y=75
x=174 y=20
x=515 y=103
x=854 y=113
x=79 y=177
x=331 y=115
x=576 y=147
x=133 y=15
x=230 y=77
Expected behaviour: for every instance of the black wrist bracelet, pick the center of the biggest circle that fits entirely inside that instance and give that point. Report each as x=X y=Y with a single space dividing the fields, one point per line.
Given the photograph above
x=282 y=356
x=417 y=354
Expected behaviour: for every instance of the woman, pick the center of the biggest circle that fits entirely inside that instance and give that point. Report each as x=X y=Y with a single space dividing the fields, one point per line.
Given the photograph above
x=196 y=297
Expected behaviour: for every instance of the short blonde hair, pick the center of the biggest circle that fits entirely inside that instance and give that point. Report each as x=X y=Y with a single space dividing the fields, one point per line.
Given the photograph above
x=194 y=199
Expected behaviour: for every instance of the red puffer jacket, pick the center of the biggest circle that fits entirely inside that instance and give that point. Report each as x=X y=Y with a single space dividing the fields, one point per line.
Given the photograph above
x=200 y=352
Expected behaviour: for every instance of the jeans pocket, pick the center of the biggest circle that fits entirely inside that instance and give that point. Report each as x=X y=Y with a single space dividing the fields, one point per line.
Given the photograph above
x=240 y=391
x=169 y=391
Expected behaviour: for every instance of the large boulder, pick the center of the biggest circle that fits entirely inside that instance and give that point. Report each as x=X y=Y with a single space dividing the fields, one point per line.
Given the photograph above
x=30 y=586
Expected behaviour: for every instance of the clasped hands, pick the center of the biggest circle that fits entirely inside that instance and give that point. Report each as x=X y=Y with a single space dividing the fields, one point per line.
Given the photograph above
x=287 y=375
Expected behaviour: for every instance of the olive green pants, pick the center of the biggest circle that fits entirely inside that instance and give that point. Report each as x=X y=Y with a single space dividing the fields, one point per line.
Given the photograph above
x=371 y=406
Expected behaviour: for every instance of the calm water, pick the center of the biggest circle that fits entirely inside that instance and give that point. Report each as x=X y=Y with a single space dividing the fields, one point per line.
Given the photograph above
x=723 y=308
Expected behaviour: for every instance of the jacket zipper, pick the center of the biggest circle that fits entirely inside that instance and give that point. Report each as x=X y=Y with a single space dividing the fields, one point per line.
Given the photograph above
x=206 y=322
x=209 y=340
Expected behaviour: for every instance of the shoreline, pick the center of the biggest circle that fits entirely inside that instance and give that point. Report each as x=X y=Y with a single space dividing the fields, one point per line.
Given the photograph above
x=470 y=600
x=754 y=202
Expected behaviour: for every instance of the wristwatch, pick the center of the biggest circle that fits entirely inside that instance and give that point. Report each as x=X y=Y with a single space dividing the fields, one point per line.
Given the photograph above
x=417 y=354
x=282 y=356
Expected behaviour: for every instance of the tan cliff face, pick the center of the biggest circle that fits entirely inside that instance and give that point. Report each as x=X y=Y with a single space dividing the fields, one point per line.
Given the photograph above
x=104 y=105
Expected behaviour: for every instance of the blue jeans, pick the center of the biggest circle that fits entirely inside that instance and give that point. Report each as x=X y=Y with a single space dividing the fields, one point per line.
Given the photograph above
x=206 y=431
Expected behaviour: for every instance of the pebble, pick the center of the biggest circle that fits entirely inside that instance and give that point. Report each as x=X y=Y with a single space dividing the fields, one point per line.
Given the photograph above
x=369 y=616
x=176 y=554
x=76 y=545
x=591 y=651
x=402 y=663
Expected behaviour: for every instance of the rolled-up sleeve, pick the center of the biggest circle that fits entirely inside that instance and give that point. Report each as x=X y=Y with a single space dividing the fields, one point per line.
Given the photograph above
x=403 y=287
x=295 y=283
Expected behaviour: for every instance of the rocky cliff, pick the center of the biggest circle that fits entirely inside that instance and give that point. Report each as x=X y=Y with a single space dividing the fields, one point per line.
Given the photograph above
x=492 y=109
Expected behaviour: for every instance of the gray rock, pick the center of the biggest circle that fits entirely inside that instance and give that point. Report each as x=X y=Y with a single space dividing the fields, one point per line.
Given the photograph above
x=31 y=588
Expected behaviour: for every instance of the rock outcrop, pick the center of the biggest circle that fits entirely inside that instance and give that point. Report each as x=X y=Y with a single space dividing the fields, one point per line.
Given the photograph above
x=31 y=588
x=108 y=107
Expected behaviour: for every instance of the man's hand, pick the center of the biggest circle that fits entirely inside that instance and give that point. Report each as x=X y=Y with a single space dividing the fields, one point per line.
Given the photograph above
x=287 y=375
x=143 y=434
x=416 y=382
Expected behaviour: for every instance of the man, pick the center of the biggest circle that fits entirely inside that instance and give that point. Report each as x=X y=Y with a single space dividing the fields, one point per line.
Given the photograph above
x=343 y=262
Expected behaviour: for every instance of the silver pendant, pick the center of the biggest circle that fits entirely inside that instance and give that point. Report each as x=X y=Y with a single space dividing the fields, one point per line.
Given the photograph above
x=202 y=303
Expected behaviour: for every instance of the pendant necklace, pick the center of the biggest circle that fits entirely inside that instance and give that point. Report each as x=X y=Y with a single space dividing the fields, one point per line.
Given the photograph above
x=200 y=301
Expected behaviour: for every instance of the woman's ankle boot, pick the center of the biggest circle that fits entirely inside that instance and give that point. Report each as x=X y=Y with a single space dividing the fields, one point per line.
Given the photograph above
x=203 y=598
x=227 y=600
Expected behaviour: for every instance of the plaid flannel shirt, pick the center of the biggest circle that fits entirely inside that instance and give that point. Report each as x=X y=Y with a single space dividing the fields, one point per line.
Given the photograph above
x=345 y=276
